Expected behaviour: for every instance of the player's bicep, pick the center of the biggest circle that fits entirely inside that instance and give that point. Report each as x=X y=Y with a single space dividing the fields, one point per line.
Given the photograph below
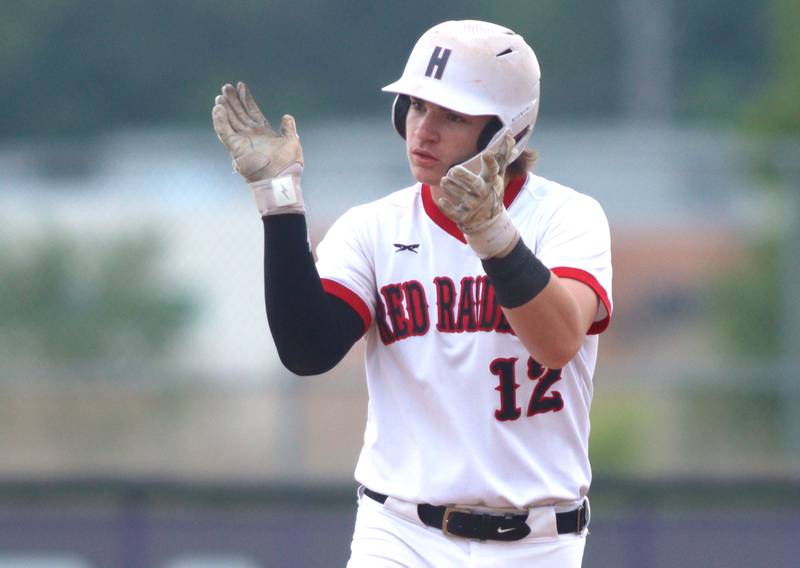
x=586 y=298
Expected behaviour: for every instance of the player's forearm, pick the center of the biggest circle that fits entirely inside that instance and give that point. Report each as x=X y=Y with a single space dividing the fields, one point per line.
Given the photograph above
x=550 y=325
x=312 y=330
x=549 y=315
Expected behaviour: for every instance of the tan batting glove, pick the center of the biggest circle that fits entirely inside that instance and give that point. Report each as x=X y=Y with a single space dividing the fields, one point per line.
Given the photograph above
x=271 y=162
x=473 y=199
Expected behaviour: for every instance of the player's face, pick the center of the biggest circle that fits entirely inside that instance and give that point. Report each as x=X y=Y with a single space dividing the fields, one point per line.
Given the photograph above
x=438 y=138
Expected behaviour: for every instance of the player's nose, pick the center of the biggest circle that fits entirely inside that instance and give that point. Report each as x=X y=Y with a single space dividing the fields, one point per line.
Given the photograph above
x=427 y=128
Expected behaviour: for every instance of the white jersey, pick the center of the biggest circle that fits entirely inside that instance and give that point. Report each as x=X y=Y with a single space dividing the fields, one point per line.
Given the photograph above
x=459 y=413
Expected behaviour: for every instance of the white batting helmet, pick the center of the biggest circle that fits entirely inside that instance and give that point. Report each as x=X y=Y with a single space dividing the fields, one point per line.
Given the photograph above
x=474 y=68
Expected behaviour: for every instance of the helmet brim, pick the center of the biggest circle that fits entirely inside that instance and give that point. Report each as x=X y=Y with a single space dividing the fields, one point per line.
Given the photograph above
x=438 y=93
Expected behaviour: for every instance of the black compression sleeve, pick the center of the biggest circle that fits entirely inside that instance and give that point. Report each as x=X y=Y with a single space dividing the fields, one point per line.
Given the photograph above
x=517 y=277
x=312 y=330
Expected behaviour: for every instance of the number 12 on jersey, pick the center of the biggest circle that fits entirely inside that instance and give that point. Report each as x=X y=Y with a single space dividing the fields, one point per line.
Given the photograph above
x=540 y=402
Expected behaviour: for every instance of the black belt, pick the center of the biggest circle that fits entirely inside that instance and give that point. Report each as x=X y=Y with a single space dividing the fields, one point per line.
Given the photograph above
x=466 y=523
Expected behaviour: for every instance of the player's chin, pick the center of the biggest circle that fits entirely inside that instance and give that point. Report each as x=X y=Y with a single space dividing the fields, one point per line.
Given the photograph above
x=427 y=175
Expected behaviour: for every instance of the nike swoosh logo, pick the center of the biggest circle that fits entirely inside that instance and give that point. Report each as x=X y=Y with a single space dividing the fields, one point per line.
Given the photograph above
x=501 y=530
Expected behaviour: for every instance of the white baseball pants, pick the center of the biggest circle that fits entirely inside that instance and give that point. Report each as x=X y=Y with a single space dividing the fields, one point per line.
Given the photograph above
x=387 y=538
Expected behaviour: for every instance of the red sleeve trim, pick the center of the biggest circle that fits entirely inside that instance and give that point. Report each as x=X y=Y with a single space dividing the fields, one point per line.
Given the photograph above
x=350 y=298
x=583 y=276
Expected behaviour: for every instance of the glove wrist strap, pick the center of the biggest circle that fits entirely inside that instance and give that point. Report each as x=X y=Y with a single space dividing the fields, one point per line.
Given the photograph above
x=278 y=196
x=496 y=238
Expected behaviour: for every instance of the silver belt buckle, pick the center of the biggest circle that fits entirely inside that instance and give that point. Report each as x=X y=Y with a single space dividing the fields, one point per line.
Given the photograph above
x=446 y=518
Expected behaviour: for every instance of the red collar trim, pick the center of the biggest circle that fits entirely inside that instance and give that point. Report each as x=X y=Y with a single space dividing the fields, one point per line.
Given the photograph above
x=432 y=209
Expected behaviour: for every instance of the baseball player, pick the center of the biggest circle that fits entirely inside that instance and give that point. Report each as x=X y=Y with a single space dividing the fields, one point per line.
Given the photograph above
x=480 y=292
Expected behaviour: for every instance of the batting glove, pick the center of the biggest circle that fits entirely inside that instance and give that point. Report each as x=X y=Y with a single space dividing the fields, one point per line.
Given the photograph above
x=473 y=199
x=271 y=162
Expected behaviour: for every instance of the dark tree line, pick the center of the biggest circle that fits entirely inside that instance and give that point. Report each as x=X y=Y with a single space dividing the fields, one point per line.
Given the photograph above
x=72 y=67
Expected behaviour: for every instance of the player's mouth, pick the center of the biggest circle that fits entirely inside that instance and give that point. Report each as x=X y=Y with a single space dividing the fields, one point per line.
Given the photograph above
x=423 y=158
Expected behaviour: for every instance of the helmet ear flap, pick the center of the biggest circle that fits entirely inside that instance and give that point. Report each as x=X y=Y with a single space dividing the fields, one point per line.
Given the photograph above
x=399 y=112
x=492 y=127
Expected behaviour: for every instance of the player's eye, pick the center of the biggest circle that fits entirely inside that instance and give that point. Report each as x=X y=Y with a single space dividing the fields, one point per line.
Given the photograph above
x=417 y=104
x=452 y=117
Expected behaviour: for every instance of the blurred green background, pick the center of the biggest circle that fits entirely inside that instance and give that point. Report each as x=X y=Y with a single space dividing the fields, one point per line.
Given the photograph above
x=133 y=342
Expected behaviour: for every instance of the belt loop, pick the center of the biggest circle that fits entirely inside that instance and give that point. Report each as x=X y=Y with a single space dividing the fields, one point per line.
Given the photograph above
x=588 y=508
x=484 y=518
